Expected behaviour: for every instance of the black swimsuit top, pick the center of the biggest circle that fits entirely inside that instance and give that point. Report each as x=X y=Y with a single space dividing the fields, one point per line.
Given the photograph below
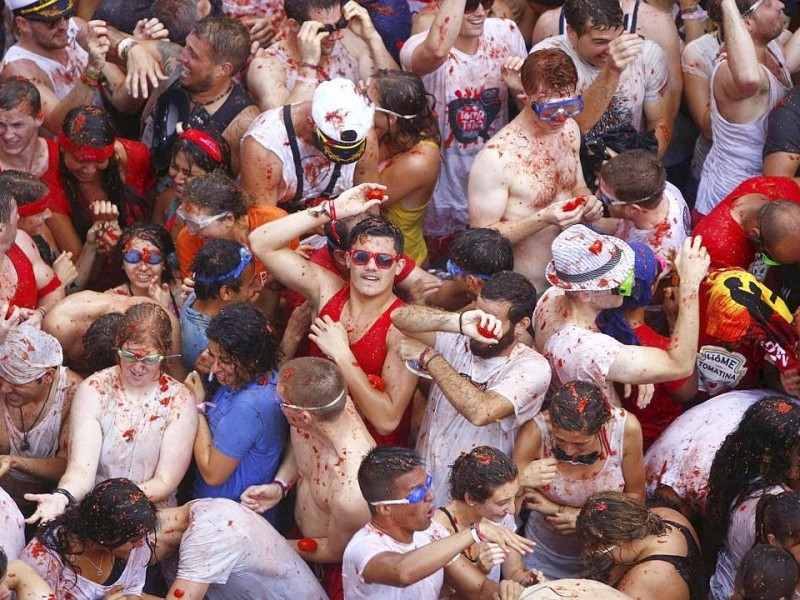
x=689 y=567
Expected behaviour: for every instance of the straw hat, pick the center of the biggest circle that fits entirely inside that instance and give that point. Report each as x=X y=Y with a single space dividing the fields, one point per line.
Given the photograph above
x=584 y=260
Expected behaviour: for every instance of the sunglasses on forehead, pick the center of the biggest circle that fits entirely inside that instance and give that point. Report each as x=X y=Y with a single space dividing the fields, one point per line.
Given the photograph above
x=472 y=5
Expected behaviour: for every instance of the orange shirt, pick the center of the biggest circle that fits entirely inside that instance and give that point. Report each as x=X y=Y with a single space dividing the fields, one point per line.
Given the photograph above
x=188 y=245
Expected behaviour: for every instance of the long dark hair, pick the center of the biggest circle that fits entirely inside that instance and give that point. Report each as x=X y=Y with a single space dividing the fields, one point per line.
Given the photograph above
x=115 y=512
x=92 y=126
x=403 y=93
x=754 y=457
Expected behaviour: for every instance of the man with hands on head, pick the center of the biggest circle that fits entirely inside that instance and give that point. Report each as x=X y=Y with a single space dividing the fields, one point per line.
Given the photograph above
x=623 y=78
x=323 y=40
x=486 y=383
x=401 y=553
x=352 y=327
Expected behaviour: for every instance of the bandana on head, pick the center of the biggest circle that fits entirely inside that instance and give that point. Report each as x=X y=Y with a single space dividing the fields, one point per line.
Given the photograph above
x=84 y=152
x=27 y=354
x=208 y=144
x=33 y=208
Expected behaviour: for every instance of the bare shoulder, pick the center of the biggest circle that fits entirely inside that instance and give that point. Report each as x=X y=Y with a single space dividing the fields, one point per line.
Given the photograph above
x=355 y=46
x=29 y=70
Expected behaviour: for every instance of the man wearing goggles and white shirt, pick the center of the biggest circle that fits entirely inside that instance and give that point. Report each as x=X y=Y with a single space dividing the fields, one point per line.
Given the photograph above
x=294 y=156
x=530 y=196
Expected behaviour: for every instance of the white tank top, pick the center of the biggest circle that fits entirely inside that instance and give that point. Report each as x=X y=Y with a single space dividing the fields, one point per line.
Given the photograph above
x=736 y=153
x=62 y=77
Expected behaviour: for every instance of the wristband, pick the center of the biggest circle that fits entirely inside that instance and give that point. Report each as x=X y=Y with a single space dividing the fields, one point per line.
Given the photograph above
x=460 y=323
x=331 y=210
x=309 y=65
x=70 y=498
x=309 y=80
x=473 y=529
x=283 y=486
x=124 y=47
x=88 y=80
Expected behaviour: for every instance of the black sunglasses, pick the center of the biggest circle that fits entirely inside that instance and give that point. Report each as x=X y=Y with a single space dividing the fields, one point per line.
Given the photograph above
x=472 y=5
x=340 y=24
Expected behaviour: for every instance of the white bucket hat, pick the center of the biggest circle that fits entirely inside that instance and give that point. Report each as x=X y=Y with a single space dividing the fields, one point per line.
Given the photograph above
x=584 y=260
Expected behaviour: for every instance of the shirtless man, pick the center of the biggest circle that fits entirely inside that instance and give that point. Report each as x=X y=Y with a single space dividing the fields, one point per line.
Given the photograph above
x=27 y=283
x=70 y=318
x=322 y=39
x=353 y=326
x=527 y=182
x=328 y=442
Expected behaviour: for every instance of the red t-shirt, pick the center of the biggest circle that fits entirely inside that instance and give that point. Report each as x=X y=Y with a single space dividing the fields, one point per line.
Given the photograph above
x=727 y=243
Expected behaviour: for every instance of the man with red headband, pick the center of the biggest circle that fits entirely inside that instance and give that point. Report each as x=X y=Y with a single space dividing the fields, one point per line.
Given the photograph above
x=50 y=52
x=294 y=156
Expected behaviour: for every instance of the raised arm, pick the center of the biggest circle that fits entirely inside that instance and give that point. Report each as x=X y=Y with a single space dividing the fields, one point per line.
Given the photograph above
x=440 y=39
x=641 y=364
x=270 y=241
x=377 y=56
x=741 y=76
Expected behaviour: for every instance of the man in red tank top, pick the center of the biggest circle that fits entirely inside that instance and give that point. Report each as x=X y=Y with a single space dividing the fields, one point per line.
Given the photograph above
x=353 y=326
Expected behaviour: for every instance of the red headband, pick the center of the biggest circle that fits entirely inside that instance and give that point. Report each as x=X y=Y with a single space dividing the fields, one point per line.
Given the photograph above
x=34 y=208
x=84 y=152
x=205 y=141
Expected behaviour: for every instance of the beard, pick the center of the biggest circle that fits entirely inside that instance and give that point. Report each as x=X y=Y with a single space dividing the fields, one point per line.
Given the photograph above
x=491 y=350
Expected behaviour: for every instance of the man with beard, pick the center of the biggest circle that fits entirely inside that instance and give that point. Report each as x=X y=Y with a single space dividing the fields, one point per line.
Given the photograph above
x=203 y=93
x=63 y=56
x=486 y=384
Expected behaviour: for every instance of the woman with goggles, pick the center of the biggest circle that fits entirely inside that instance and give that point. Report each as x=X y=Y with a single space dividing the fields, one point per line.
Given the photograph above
x=144 y=248
x=130 y=420
x=215 y=207
x=578 y=447
x=408 y=136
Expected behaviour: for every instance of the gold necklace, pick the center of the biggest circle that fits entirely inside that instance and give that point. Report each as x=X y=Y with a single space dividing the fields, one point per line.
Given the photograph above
x=99 y=567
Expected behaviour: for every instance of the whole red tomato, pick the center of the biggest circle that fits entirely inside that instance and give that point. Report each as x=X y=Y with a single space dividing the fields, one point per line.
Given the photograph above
x=375 y=195
x=306 y=545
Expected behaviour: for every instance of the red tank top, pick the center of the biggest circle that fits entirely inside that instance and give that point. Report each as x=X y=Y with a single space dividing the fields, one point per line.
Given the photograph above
x=370 y=352
x=26 y=294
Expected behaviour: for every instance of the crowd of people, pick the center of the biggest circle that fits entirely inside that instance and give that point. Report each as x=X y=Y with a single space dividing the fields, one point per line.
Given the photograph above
x=399 y=299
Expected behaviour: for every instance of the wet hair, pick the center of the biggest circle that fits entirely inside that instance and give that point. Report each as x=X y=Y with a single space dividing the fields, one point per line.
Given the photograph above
x=779 y=515
x=217 y=193
x=6 y=202
x=614 y=518
x=479 y=473
x=514 y=288
x=766 y=573
x=579 y=406
x=715 y=12
x=228 y=40
x=381 y=468
x=313 y=382
x=146 y=323
x=25 y=188
x=549 y=70
x=212 y=261
x=198 y=156
x=152 y=233
x=482 y=251
x=404 y=93
x=18 y=90
x=376 y=226
x=99 y=341
x=582 y=15
x=115 y=512
x=636 y=175
x=755 y=456
x=92 y=126
x=244 y=332
x=299 y=10
x=178 y=16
